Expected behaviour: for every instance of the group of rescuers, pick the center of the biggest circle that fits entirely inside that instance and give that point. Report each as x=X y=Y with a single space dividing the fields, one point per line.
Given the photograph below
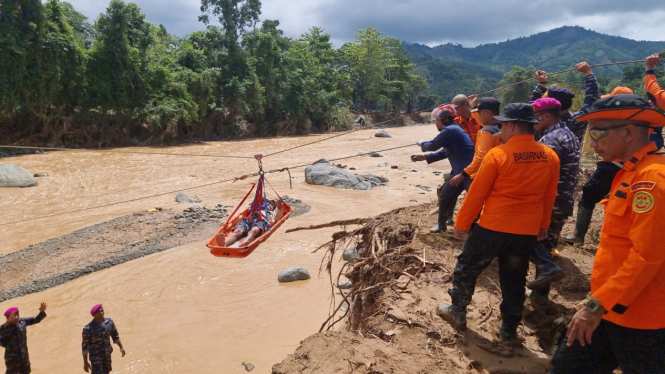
x=520 y=171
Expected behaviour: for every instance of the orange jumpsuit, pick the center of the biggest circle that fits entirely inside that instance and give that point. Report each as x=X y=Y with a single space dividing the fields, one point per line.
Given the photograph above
x=515 y=188
x=628 y=275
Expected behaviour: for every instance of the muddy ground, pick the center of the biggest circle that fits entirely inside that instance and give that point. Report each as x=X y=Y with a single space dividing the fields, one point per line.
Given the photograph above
x=94 y=248
x=392 y=326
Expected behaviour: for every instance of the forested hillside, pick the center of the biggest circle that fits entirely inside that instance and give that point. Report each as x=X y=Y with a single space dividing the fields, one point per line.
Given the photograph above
x=120 y=79
x=474 y=69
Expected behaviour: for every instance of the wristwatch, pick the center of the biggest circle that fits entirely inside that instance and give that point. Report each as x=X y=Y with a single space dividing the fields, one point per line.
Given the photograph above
x=594 y=306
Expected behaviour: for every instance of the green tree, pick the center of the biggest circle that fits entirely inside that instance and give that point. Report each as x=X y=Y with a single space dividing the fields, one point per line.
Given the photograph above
x=21 y=23
x=62 y=65
x=519 y=93
x=114 y=70
x=79 y=23
x=368 y=58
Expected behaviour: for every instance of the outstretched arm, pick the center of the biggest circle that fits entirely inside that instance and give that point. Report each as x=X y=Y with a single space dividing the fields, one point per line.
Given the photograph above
x=591 y=88
x=651 y=81
x=34 y=320
x=541 y=88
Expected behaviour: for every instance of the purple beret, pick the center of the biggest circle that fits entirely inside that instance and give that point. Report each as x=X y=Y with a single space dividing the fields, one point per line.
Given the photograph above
x=546 y=104
x=10 y=311
x=95 y=308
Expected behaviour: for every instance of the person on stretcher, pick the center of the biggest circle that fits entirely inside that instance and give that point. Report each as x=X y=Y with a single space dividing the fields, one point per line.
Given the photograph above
x=256 y=225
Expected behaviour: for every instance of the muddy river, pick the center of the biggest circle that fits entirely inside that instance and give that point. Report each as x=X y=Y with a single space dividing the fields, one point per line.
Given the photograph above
x=183 y=310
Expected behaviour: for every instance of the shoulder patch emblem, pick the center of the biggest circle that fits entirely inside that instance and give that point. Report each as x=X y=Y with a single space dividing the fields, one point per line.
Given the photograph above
x=642 y=186
x=642 y=202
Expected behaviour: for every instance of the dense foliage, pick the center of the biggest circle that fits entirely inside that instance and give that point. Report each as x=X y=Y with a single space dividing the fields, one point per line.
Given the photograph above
x=63 y=80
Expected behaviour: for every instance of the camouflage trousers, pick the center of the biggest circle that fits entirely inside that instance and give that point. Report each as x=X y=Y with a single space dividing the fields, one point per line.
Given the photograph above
x=480 y=249
x=17 y=366
x=101 y=364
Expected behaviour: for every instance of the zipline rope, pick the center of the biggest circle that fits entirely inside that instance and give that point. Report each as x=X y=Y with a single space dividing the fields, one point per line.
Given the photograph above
x=121 y=151
x=189 y=188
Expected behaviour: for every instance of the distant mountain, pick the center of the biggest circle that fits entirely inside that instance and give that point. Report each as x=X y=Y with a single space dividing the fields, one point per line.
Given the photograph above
x=553 y=50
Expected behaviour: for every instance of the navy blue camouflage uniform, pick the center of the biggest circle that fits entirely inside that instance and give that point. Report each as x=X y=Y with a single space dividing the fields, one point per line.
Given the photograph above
x=15 y=341
x=578 y=128
x=566 y=145
x=97 y=343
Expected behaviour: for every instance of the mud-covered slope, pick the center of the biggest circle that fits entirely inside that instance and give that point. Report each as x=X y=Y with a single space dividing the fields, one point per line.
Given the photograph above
x=389 y=322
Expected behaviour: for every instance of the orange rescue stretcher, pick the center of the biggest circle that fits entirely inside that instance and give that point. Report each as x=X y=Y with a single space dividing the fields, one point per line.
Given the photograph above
x=217 y=243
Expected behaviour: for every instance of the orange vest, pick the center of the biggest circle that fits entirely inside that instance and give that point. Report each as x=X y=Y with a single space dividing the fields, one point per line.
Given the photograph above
x=515 y=188
x=628 y=275
x=486 y=141
x=470 y=126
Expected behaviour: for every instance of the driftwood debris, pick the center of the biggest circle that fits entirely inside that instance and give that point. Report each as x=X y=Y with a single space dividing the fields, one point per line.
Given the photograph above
x=357 y=221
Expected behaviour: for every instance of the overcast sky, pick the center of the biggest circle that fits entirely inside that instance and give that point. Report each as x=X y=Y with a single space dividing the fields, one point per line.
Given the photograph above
x=430 y=22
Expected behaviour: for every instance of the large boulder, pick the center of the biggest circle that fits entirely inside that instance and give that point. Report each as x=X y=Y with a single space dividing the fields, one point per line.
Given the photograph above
x=293 y=274
x=15 y=176
x=382 y=134
x=333 y=176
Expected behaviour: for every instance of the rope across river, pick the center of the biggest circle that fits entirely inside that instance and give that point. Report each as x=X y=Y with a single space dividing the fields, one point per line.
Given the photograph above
x=234 y=179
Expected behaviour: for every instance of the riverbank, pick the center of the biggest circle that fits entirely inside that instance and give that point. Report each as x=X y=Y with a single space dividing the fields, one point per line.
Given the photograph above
x=391 y=325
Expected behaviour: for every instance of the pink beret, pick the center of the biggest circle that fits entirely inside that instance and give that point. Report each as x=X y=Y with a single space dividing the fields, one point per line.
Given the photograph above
x=546 y=103
x=95 y=308
x=10 y=311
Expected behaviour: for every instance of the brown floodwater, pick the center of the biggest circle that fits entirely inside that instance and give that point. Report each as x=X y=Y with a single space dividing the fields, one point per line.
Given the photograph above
x=183 y=310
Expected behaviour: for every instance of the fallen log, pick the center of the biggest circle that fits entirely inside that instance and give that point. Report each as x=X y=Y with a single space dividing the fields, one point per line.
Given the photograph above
x=357 y=221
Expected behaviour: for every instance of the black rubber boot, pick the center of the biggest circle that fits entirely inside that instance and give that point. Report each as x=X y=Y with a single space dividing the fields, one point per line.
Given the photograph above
x=508 y=336
x=581 y=226
x=453 y=314
x=441 y=224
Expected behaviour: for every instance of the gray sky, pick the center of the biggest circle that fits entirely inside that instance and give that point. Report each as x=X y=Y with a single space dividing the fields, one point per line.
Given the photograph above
x=428 y=22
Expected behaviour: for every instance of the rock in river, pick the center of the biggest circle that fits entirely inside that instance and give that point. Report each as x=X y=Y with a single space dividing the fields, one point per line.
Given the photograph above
x=382 y=134
x=293 y=274
x=350 y=253
x=182 y=198
x=333 y=176
x=15 y=176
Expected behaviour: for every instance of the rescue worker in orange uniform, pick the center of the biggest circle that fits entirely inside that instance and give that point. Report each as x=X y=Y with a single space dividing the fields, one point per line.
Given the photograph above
x=489 y=136
x=622 y=324
x=465 y=119
x=515 y=187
